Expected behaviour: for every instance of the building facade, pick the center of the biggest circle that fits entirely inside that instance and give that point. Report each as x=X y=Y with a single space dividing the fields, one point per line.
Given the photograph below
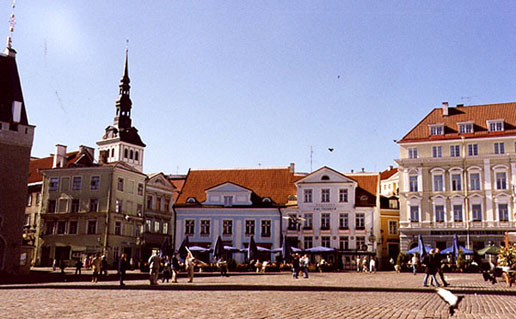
x=336 y=210
x=234 y=204
x=16 y=136
x=389 y=217
x=458 y=176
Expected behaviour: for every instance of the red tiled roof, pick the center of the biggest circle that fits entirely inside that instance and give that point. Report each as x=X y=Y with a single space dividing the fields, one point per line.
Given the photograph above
x=36 y=165
x=388 y=173
x=275 y=183
x=367 y=187
x=478 y=114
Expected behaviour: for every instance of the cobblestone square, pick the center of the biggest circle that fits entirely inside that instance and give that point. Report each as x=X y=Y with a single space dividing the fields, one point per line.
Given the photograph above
x=327 y=295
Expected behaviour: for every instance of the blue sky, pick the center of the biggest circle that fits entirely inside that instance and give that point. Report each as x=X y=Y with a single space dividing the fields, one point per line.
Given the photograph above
x=248 y=83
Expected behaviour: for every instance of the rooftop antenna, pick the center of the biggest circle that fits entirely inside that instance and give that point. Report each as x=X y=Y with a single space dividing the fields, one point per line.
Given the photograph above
x=126 y=45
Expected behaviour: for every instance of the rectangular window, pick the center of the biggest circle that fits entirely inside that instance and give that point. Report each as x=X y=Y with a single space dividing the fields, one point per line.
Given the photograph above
x=503 y=212
x=344 y=242
x=165 y=228
x=457 y=213
x=166 y=206
x=157 y=226
x=92 y=227
x=118 y=206
x=413 y=183
x=360 y=221
x=325 y=195
x=454 y=150
x=456 y=182
x=75 y=206
x=308 y=242
x=51 y=206
x=436 y=151
x=360 y=242
x=325 y=221
x=189 y=227
x=228 y=201
x=158 y=204
x=308 y=221
x=249 y=227
x=72 y=227
x=120 y=184
x=266 y=228
x=499 y=148
x=29 y=200
x=148 y=225
x=61 y=227
x=53 y=185
x=307 y=195
x=95 y=183
x=118 y=228
x=412 y=152
x=140 y=189
x=94 y=205
x=325 y=241
x=438 y=183
x=205 y=227
x=501 y=180
x=227 y=227
x=343 y=221
x=343 y=195
x=292 y=222
x=414 y=213
x=139 y=209
x=393 y=227
x=476 y=211
x=65 y=184
x=50 y=228
x=474 y=181
x=439 y=213
x=38 y=199
x=76 y=183
x=149 y=202
x=472 y=149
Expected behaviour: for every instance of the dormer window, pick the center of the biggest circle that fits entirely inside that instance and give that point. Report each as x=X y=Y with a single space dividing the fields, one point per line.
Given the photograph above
x=266 y=200
x=191 y=200
x=436 y=129
x=466 y=127
x=495 y=125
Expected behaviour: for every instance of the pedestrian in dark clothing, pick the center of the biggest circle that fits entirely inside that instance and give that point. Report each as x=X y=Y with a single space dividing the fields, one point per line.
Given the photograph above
x=62 y=266
x=78 y=267
x=295 y=266
x=175 y=267
x=439 y=266
x=104 y=265
x=430 y=269
x=167 y=269
x=123 y=265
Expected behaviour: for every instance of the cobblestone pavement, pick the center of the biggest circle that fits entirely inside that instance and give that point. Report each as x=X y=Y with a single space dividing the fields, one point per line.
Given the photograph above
x=72 y=300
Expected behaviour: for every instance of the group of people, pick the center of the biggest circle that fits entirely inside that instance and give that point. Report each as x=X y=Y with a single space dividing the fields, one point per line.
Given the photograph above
x=169 y=267
x=300 y=264
x=433 y=265
x=365 y=265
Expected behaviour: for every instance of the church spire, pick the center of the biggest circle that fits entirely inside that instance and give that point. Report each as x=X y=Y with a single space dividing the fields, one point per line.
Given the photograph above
x=123 y=102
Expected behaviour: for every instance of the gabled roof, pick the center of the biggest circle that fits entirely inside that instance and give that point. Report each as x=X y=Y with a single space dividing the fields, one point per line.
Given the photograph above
x=309 y=177
x=365 y=194
x=275 y=183
x=10 y=90
x=388 y=173
x=478 y=114
x=36 y=165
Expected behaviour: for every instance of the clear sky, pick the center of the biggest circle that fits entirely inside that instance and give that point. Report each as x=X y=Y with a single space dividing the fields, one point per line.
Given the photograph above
x=245 y=83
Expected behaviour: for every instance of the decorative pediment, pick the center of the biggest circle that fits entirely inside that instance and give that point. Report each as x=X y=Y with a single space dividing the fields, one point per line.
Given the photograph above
x=325 y=175
x=228 y=194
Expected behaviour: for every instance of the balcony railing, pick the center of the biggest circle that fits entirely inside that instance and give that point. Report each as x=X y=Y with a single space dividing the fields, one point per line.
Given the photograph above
x=462 y=225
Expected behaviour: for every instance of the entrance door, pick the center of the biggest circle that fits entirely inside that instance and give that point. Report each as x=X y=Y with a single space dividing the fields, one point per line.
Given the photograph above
x=63 y=253
x=394 y=250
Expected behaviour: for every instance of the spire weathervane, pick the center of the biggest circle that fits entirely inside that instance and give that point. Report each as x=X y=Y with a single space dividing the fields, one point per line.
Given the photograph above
x=12 y=22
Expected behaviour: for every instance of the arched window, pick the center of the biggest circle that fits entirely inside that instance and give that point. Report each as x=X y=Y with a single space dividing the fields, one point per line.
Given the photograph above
x=112 y=152
x=136 y=155
x=131 y=154
x=325 y=178
x=125 y=153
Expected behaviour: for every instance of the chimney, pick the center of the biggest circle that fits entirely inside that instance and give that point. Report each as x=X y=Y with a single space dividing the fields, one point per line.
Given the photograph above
x=291 y=168
x=87 y=150
x=390 y=168
x=363 y=170
x=352 y=171
x=59 y=156
x=445 y=108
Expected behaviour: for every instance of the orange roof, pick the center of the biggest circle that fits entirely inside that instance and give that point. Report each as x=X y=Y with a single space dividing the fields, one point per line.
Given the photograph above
x=275 y=183
x=36 y=165
x=367 y=187
x=388 y=173
x=478 y=114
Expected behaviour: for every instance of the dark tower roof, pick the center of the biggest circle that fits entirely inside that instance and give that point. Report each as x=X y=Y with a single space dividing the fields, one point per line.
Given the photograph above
x=10 y=88
x=121 y=127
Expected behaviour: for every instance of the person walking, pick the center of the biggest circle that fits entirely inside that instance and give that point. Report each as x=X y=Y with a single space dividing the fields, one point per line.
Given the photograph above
x=305 y=262
x=175 y=267
x=295 y=266
x=78 y=266
x=167 y=269
x=123 y=265
x=96 y=265
x=414 y=262
x=430 y=269
x=104 y=266
x=154 y=264
x=358 y=263
x=439 y=265
x=190 y=265
x=223 y=266
x=372 y=265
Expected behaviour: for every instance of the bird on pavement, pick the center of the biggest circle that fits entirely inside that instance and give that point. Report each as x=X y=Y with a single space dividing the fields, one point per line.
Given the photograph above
x=451 y=299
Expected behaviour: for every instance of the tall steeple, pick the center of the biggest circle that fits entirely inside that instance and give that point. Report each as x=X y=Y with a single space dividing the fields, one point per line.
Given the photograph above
x=123 y=102
x=121 y=141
